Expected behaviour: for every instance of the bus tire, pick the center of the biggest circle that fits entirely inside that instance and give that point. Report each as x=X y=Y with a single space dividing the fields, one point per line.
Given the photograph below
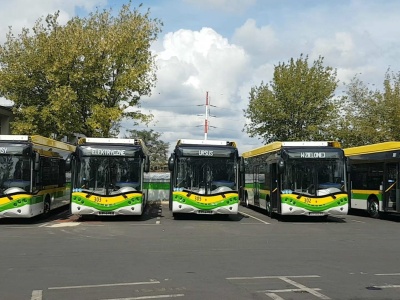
x=373 y=208
x=246 y=201
x=268 y=208
x=176 y=216
x=46 y=206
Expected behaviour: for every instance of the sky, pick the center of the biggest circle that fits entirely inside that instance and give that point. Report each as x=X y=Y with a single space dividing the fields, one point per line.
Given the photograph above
x=223 y=48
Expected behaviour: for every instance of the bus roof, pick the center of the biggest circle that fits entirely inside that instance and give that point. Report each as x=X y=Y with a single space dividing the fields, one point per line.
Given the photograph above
x=115 y=141
x=275 y=146
x=206 y=142
x=373 y=148
x=38 y=140
x=109 y=141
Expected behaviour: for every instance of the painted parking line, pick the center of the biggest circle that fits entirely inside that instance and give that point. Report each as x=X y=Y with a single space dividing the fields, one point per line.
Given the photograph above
x=38 y=294
x=253 y=217
x=102 y=285
x=273 y=294
x=159 y=215
x=149 y=297
x=387 y=286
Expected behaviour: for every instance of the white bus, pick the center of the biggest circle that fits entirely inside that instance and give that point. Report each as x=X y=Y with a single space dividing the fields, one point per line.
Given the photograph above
x=33 y=177
x=204 y=177
x=107 y=177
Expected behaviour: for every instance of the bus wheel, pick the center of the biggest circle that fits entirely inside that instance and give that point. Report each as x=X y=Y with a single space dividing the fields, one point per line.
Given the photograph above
x=246 y=201
x=46 y=206
x=373 y=208
x=268 y=208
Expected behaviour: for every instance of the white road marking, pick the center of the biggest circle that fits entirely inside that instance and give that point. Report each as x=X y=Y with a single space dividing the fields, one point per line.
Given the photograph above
x=272 y=277
x=36 y=295
x=149 y=297
x=254 y=217
x=304 y=288
x=101 y=285
x=389 y=274
x=389 y=286
x=274 y=296
x=66 y=224
x=285 y=290
x=300 y=287
x=357 y=221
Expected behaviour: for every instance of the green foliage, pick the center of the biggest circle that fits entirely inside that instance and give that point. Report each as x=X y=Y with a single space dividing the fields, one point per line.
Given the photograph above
x=297 y=105
x=370 y=116
x=83 y=77
x=158 y=149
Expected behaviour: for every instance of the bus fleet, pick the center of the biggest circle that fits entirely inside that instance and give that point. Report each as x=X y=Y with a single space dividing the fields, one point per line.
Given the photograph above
x=105 y=177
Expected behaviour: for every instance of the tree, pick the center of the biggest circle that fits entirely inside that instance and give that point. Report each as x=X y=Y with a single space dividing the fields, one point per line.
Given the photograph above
x=391 y=106
x=297 y=105
x=83 y=77
x=360 y=122
x=370 y=116
x=158 y=149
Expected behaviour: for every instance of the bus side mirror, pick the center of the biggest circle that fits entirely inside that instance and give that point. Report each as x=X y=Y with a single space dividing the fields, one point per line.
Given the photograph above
x=241 y=164
x=36 y=165
x=171 y=162
x=281 y=166
x=68 y=162
x=147 y=164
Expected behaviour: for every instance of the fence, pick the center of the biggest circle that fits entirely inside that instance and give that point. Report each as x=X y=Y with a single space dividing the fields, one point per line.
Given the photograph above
x=157 y=184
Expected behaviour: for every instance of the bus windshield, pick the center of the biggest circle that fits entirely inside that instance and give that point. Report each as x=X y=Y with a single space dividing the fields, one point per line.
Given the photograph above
x=109 y=175
x=314 y=177
x=14 y=173
x=206 y=175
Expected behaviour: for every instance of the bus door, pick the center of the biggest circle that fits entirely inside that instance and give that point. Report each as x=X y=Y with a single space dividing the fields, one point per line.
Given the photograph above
x=256 y=185
x=274 y=189
x=391 y=195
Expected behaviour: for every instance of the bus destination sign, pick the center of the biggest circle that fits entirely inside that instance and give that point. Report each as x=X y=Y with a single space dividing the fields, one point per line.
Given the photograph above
x=312 y=154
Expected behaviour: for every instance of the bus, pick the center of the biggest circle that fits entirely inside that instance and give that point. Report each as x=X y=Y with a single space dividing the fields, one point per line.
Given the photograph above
x=374 y=178
x=296 y=178
x=33 y=175
x=107 y=177
x=204 y=177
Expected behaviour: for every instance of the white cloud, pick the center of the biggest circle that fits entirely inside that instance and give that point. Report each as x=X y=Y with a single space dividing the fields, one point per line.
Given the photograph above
x=190 y=64
x=24 y=13
x=356 y=37
x=259 y=42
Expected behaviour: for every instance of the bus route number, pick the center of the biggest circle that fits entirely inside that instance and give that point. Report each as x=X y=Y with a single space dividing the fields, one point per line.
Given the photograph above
x=97 y=199
x=307 y=200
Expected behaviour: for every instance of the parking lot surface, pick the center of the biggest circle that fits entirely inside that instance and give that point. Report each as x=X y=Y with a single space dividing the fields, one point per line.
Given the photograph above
x=248 y=256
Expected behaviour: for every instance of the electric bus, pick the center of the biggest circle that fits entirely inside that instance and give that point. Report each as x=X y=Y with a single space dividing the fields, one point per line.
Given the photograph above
x=374 y=178
x=296 y=178
x=107 y=177
x=33 y=176
x=204 y=177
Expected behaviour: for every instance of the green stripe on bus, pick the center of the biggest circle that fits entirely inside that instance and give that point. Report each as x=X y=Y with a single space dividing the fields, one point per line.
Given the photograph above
x=290 y=200
x=156 y=185
x=227 y=201
x=106 y=207
x=365 y=197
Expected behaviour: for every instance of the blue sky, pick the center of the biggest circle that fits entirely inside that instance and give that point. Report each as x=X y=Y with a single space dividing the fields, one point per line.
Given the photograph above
x=226 y=47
